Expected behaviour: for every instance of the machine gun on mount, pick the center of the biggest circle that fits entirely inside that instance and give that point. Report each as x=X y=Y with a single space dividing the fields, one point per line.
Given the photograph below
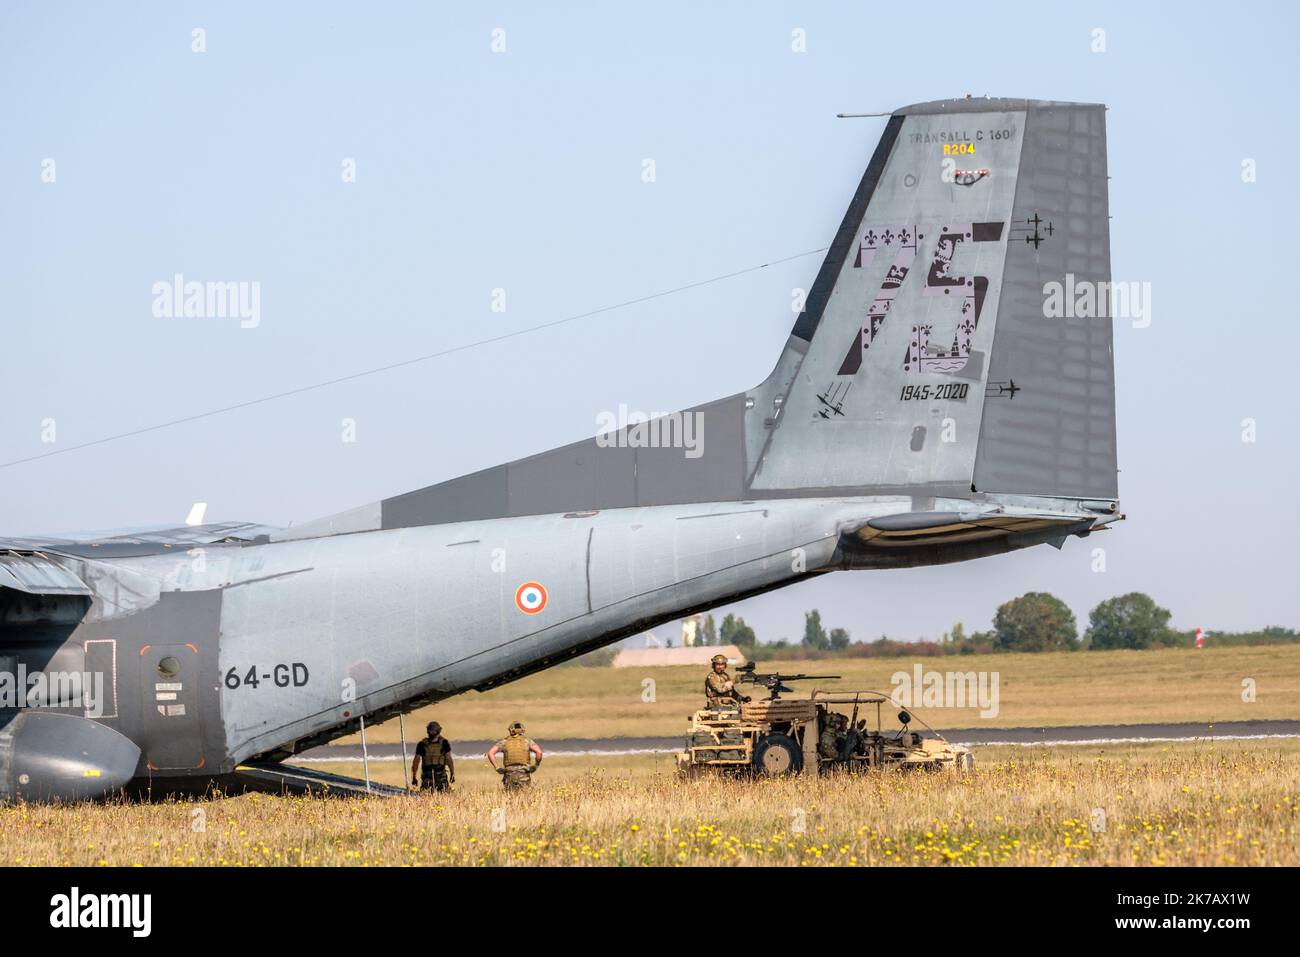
x=774 y=682
x=775 y=736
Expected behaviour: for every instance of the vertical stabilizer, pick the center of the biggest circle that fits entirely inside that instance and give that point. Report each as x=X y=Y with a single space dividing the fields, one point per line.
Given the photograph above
x=926 y=357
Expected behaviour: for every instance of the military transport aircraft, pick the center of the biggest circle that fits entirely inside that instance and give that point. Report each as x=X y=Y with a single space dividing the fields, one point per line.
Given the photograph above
x=913 y=417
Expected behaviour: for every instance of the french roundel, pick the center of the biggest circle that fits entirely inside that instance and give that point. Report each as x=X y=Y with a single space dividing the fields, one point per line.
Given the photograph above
x=530 y=597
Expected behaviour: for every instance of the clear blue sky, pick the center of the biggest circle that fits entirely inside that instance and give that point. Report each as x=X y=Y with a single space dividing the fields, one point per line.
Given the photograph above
x=522 y=170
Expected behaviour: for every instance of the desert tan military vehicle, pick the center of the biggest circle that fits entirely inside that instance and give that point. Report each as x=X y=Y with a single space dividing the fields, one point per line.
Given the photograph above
x=826 y=732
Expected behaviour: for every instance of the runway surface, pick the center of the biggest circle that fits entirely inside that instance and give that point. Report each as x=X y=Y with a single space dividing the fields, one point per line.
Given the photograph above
x=1028 y=737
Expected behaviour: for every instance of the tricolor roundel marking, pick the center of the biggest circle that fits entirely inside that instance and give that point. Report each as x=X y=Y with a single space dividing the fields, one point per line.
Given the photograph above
x=530 y=597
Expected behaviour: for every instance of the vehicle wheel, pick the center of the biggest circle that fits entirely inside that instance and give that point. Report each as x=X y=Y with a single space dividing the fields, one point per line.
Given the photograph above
x=777 y=755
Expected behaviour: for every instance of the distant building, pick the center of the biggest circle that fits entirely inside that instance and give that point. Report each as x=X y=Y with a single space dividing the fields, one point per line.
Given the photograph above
x=668 y=657
x=690 y=627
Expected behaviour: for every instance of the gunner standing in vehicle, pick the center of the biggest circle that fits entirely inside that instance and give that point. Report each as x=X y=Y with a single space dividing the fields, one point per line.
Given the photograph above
x=719 y=689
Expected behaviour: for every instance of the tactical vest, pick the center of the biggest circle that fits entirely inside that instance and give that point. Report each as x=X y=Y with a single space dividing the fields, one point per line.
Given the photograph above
x=828 y=746
x=434 y=756
x=516 y=750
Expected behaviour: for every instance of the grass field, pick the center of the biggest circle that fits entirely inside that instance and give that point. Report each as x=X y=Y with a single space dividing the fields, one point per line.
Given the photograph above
x=1094 y=687
x=1195 y=803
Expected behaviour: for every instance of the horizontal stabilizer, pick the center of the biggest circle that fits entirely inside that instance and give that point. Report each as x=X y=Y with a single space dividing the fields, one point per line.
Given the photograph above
x=38 y=575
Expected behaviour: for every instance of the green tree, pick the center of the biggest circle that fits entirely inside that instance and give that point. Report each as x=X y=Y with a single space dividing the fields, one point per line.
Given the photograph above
x=708 y=631
x=1035 y=621
x=979 y=642
x=814 y=635
x=839 y=639
x=1129 y=621
x=734 y=631
x=953 y=640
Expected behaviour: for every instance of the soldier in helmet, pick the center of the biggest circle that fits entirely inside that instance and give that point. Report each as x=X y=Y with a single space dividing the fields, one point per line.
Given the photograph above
x=515 y=770
x=828 y=745
x=434 y=753
x=719 y=690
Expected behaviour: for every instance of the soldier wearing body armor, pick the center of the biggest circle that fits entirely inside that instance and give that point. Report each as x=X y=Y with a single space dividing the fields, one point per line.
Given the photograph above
x=719 y=690
x=856 y=745
x=515 y=770
x=434 y=754
x=832 y=736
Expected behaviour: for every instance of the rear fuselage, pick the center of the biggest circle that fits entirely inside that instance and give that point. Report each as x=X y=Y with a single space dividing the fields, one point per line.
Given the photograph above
x=209 y=656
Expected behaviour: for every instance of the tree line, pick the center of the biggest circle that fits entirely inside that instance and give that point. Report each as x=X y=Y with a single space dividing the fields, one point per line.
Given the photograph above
x=1036 y=621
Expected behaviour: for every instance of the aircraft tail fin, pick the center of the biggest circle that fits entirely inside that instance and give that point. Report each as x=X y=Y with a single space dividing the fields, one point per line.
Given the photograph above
x=932 y=352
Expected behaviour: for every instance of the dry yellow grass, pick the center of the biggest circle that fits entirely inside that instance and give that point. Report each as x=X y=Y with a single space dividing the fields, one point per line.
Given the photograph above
x=1094 y=687
x=1186 y=804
